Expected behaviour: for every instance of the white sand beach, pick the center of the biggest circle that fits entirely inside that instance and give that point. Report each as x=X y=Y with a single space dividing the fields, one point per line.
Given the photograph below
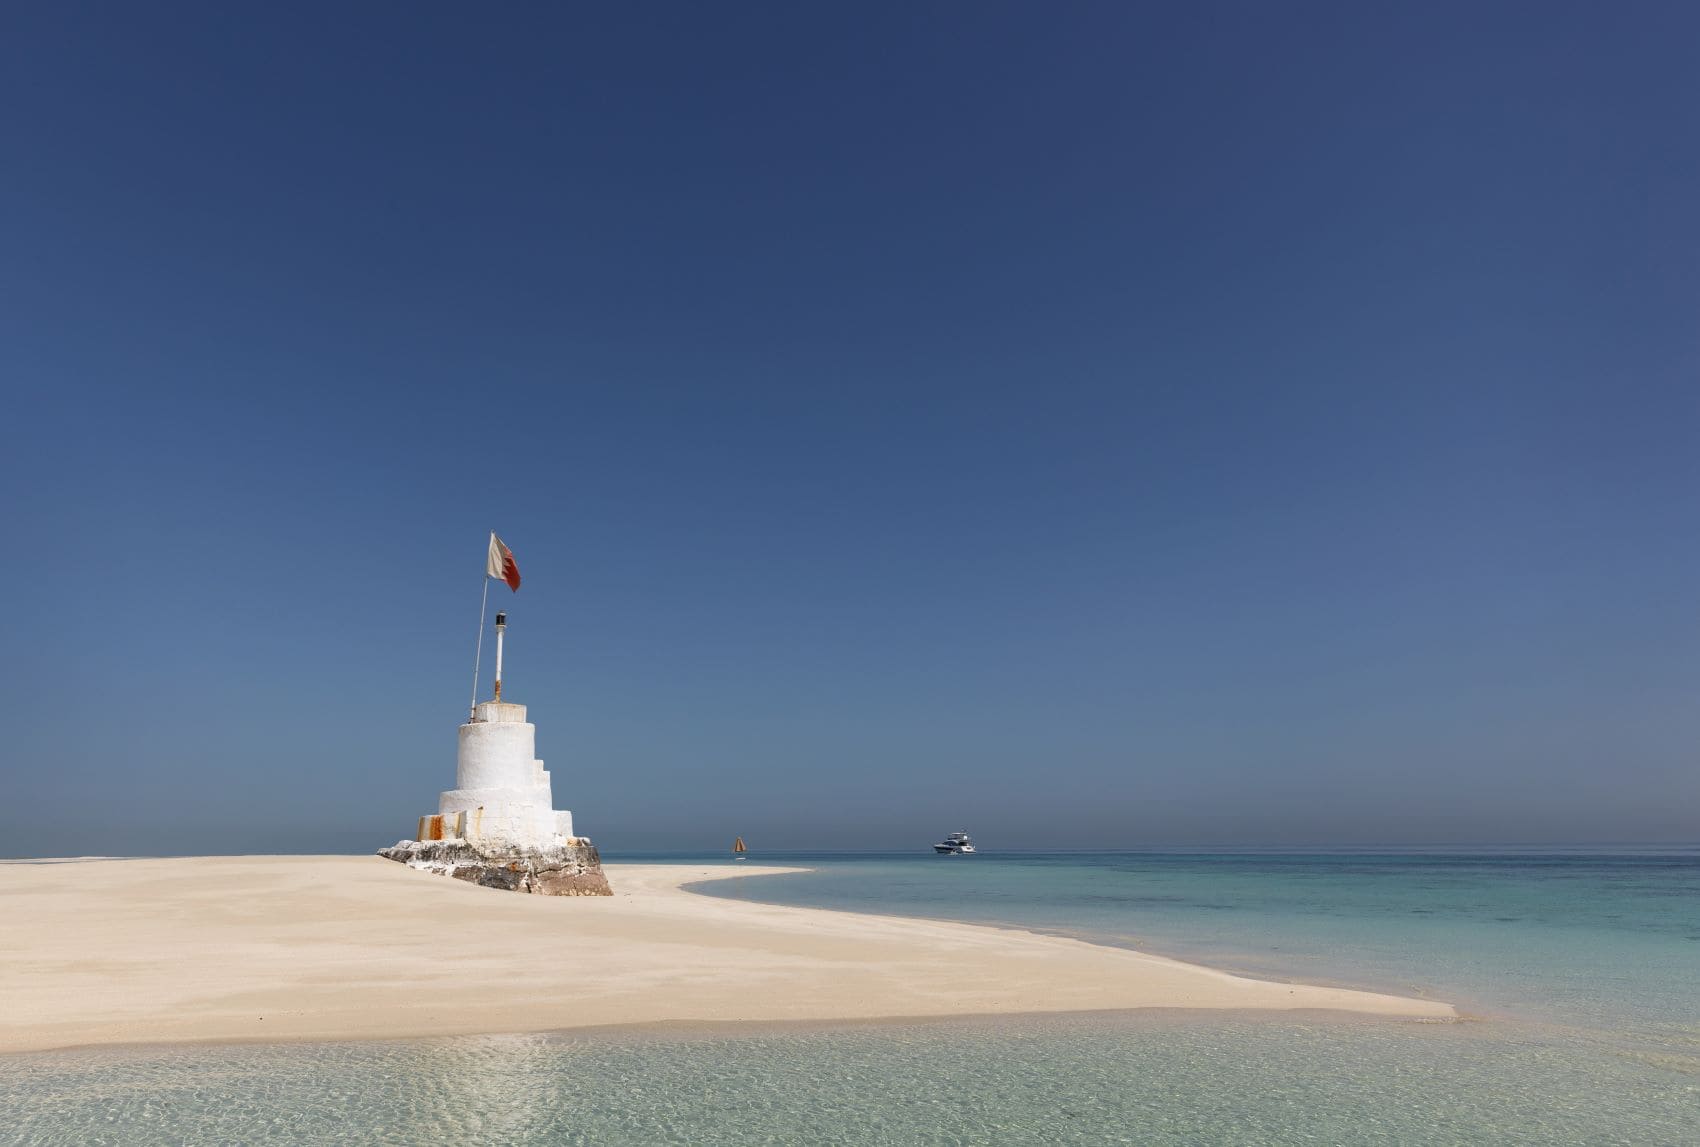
x=339 y=947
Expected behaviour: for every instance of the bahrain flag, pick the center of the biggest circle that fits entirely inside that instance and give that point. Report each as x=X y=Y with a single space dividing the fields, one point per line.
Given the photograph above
x=501 y=564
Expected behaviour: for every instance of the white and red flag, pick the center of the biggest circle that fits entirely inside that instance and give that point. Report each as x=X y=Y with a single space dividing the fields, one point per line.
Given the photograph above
x=501 y=565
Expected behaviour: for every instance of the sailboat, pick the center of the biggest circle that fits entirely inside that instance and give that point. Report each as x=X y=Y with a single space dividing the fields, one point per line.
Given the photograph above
x=738 y=849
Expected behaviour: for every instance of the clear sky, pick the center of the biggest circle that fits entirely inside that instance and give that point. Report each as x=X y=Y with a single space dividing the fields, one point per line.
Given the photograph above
x=1088 y=424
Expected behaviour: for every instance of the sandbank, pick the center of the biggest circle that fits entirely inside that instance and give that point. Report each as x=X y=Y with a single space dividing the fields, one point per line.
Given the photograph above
x=340 y=947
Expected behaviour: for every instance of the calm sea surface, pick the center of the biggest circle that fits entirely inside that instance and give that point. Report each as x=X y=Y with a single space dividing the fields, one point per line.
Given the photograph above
x=1584 y=967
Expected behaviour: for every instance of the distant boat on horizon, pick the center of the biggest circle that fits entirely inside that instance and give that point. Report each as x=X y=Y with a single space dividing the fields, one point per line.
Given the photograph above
x=956 y=844
x=738 y=848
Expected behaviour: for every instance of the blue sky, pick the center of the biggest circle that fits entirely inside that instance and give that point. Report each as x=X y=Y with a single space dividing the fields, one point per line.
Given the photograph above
x=1099 y=424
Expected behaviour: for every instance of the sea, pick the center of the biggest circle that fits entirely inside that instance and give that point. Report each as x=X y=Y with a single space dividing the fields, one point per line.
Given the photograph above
x=1577 y=970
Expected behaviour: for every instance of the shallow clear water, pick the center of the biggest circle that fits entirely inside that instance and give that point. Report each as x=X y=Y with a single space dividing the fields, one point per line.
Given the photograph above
x=1608 y=939
x=1587 y=965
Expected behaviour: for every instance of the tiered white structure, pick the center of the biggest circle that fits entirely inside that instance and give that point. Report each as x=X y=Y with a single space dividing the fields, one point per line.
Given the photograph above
x=498 y=826
x=502 y=797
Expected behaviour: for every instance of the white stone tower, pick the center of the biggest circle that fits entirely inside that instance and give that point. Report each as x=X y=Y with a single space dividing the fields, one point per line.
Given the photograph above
x=502 y=795
x=498 y=826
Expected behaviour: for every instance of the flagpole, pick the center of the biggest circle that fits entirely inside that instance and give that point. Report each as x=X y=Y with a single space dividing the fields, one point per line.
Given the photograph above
x=477 y=656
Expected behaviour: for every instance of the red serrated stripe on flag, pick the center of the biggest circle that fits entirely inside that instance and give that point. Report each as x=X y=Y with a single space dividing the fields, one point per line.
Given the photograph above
x=502 y=564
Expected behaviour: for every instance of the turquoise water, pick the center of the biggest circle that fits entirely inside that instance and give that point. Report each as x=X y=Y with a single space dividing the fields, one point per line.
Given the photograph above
x=1586 y=967
x=1610 y=939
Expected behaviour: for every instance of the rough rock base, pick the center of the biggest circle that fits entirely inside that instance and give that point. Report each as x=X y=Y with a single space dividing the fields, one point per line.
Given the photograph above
x=571 y=870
